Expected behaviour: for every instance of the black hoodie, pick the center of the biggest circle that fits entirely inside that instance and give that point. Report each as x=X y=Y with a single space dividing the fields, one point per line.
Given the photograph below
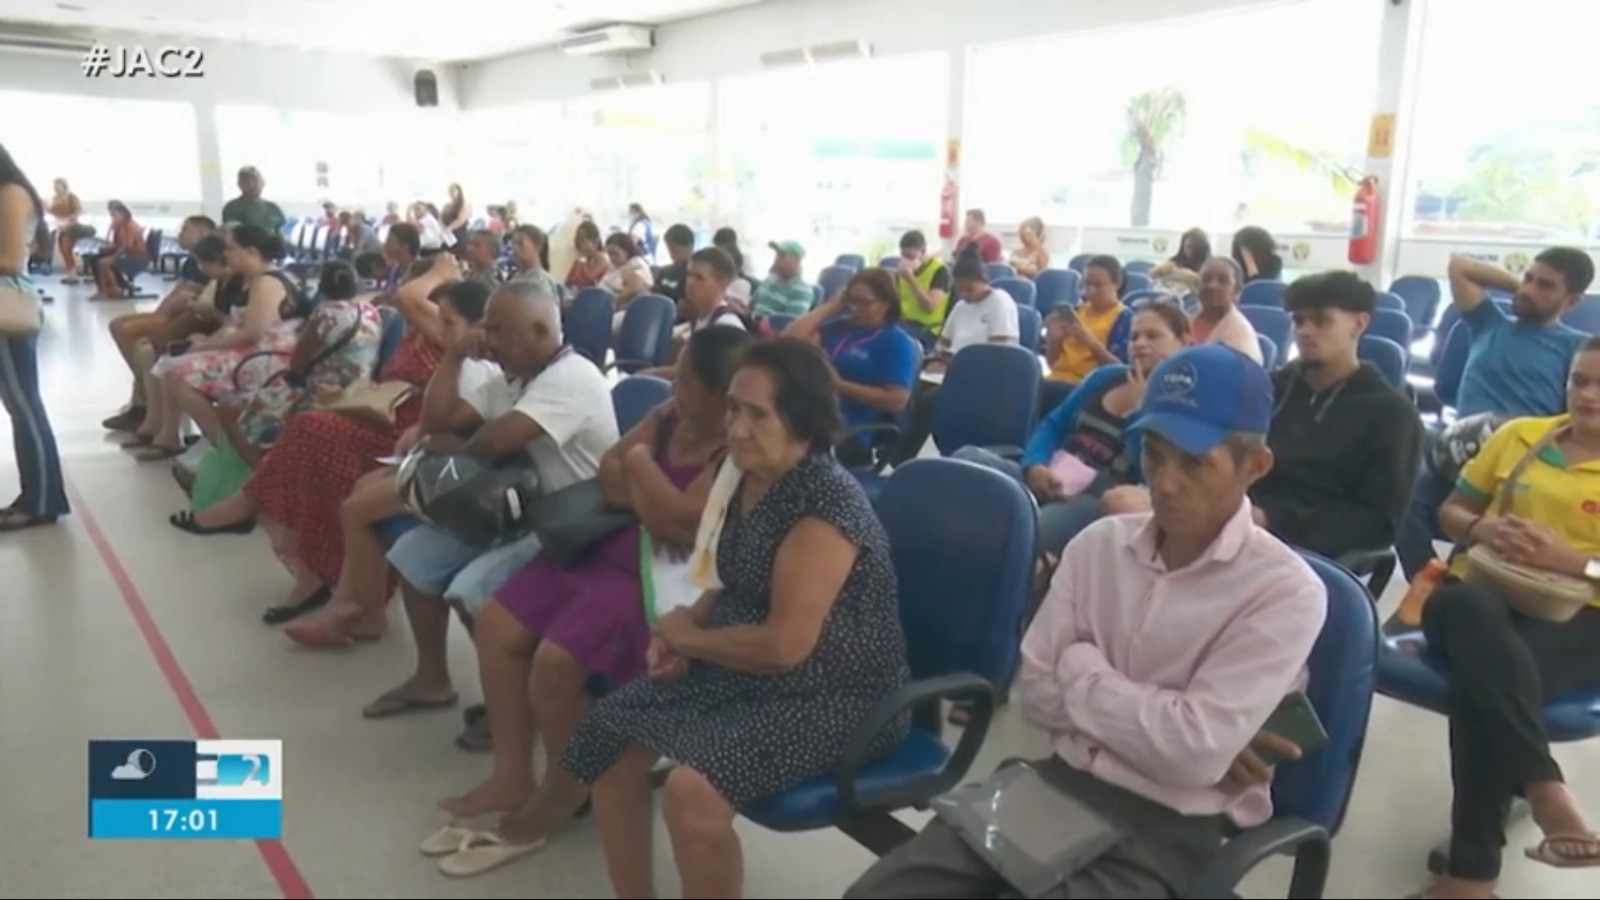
x=1344 y=462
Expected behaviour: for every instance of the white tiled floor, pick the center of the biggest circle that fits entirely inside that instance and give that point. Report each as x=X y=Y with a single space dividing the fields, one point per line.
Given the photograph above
x=360 y=795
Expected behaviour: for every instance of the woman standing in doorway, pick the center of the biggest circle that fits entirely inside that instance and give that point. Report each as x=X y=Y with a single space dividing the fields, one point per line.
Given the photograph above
x=44 y=498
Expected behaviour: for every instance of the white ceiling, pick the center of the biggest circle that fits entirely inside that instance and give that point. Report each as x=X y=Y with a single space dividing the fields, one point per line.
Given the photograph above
x=452 y=30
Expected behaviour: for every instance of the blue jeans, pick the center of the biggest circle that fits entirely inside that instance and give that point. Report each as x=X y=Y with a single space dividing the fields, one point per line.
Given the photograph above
x=1420 y=527
x=44 y=490
x=439 y=564
x=1059 y=520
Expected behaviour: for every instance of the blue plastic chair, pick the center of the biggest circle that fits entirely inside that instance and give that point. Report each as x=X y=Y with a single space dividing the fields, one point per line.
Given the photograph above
x=990 y=398
x=645 y=339
x=1269 y=352
x=1389 y=357
x=394 y=331
x=1134 y=282
x=855 y=262
x=964 y=585
x=1422 y=296
x=635 y=396
x=1055 y=287
x=889 y=262
x=1452 y=364
x=588 y=323
x=1263 y=293
x=1271 y=322
x=1586 y=315
x=1310 y=797
x=1080 y=262
x=997 y=271
x=1390 y=300
x=1392 y=324
x=1411 y=673
x=832 y=280
x=1021 y=290
x=1031 y=326
x=1139 y=267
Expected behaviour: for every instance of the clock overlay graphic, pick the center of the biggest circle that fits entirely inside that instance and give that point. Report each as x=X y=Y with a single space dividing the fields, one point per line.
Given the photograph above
x=186 y=790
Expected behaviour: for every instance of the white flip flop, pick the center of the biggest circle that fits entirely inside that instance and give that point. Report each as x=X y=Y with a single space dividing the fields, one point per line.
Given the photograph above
x=446 y=840
x=484 y=851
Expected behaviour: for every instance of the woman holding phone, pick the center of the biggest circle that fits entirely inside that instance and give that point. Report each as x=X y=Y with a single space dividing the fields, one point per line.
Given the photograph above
x=1083 y=447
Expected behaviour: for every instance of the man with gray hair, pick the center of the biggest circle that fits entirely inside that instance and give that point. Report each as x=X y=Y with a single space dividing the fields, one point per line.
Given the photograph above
x=524 y=393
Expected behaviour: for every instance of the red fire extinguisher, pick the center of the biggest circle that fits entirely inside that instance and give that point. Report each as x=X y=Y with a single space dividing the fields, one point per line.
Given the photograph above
x=1364 y=222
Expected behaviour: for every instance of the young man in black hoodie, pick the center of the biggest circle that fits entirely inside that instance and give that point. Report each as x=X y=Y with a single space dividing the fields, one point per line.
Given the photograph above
x=1345 y=443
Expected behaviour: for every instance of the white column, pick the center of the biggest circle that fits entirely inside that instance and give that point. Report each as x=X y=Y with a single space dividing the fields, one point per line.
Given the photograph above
x=216 y=186
x=1394 y=109
x=955 y=125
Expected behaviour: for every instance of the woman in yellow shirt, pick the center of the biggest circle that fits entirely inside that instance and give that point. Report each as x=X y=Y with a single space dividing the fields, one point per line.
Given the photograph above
x=1507 y=666
x=1090 y=335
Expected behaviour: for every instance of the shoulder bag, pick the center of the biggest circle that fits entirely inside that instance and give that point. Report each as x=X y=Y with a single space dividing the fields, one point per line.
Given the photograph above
x=1535 y=593
x=19 y=311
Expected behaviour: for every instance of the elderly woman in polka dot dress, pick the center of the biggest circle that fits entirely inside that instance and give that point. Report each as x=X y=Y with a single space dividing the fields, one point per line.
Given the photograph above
x=758 y=686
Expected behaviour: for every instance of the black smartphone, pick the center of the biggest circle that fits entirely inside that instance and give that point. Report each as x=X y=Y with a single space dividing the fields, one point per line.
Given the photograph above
x=1296 y=720
x=178 y=348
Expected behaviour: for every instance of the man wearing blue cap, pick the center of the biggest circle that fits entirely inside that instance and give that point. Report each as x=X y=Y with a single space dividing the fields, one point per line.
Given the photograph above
x=1166 y=641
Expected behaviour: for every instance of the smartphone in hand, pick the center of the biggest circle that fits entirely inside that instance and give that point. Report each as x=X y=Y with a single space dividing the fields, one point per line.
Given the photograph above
x=1296 y=720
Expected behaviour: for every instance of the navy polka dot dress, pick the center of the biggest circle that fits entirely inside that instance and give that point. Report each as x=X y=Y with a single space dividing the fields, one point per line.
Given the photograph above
x=757 y=735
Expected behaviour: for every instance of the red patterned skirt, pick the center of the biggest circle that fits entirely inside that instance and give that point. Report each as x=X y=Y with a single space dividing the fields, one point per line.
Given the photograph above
x=309 y=472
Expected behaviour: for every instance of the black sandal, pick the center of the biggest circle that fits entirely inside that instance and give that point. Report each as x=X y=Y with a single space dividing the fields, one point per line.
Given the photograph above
x=277 y=615
x=185 y=521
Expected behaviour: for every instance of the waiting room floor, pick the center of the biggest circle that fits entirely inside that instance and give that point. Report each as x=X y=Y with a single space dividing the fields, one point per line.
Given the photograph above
x=115 y=625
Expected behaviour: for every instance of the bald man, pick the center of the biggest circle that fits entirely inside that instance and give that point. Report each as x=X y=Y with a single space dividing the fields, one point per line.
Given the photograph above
x=526 y=394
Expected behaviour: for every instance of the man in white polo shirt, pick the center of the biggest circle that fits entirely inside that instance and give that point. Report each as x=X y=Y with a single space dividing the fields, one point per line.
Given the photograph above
x=543 y=400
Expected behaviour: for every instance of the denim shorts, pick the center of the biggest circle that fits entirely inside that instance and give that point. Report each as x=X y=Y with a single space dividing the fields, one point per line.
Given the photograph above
x=437 y=563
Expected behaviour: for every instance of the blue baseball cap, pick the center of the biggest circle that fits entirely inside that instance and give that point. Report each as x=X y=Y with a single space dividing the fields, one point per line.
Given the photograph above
x=1198 y=396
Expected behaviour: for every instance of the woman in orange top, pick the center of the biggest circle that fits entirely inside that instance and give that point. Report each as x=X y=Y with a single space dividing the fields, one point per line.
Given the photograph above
x=1093 y=334
x=127 y=241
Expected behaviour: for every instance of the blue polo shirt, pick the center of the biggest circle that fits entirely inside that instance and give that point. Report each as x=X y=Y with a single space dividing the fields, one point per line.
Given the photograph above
x=1513 y=368
x=877 y=357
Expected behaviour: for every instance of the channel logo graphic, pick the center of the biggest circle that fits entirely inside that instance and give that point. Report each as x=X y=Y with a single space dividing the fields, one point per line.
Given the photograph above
x=238 y=770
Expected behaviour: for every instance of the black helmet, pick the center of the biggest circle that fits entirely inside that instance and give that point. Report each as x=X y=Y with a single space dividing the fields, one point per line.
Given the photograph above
x=473 y=500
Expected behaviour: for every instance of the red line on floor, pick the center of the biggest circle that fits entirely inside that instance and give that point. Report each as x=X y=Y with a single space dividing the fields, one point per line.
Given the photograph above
x=282 y=866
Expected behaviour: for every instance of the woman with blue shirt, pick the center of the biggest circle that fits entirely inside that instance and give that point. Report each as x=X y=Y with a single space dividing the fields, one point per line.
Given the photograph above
x=874 y=360
x=1084 y=446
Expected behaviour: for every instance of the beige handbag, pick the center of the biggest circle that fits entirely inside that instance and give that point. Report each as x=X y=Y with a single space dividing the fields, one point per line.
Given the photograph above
x=373 y=402
x=1536 y=593
x=19 y=312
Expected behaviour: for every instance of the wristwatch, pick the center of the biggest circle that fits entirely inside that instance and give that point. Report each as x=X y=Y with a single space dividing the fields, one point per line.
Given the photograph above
x=1591 y=569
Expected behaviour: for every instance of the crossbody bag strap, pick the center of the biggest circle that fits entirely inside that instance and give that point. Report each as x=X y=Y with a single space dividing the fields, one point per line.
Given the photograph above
x=1508 y=487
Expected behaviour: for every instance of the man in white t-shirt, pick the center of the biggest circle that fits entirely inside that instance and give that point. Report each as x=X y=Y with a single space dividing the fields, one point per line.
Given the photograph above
x=534 y=397
x=705 y=302
x=981 y=315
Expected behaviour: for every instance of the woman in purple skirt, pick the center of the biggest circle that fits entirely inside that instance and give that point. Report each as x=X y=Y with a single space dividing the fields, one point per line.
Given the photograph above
x=551 y=629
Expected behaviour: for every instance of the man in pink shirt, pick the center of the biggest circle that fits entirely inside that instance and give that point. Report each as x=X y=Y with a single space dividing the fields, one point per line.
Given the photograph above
x=1166 y=641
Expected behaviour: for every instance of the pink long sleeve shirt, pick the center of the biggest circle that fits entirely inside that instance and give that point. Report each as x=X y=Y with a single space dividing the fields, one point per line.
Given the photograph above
x=1155 y=681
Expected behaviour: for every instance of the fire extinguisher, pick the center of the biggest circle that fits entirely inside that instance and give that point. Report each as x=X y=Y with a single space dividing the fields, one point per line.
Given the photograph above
x=947 y=207
x=1364 y=222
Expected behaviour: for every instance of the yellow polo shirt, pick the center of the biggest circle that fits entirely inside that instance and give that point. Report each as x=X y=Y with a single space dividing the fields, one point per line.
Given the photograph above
x=1562 y=497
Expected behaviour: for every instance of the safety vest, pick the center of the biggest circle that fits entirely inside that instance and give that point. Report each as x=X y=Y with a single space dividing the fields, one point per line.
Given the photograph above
x=912 y=310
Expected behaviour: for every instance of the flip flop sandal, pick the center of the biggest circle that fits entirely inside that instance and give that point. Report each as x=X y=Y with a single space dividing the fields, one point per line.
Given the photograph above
x=137 y=441
x=484 y=851
x=395 y=703
x=185 y=521
x=153 y=453
x=446 y=840
x=475 y=738
x=1548 y=851
x=277 y=615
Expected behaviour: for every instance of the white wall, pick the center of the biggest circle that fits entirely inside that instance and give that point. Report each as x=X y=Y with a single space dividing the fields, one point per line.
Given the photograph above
x=233 y=74
x=731 y=43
